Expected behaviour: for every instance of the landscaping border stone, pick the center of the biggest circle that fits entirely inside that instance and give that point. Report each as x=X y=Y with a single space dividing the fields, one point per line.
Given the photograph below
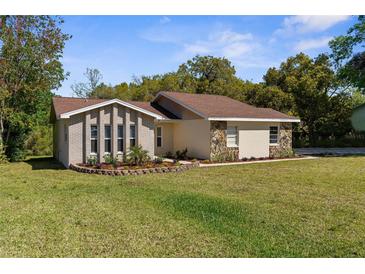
x=125 y=172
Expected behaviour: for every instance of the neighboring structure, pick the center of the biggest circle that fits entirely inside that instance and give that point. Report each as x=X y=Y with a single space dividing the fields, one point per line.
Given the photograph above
x=209 y=126
x=358 y=118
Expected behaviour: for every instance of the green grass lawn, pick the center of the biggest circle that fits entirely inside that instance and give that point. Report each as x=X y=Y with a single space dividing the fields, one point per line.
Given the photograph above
x=310 y=208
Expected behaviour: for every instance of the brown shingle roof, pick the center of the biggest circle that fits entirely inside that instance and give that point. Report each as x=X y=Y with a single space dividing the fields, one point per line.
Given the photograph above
x=222 y=106
x=67 y=104
x=207 y=105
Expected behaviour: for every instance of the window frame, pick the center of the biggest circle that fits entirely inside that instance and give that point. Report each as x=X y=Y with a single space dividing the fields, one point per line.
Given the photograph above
x=159 y=136
x=277 y=136
x=130 y=135
x=120 y=139
x=235 y=136
x=107 y=139
x=94 y=139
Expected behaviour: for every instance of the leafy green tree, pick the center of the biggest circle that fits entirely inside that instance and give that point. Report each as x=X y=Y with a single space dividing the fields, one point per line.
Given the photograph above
x=309 y=82
x=39 y=142
x=212 y=75
x=88 y=89
x=348 y=55
x=269 y=97
x=30 y=67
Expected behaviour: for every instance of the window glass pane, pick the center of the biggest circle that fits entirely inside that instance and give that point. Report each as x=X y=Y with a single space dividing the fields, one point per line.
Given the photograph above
x=108 y=146
x=159 y=132
x=159 y=141
x=273 y=135
x=132 y=142
x=94 y=146
x=94 y=131
x=232 y=136
x=120 y=131
x=108 y=132
x=132 y=131
x=120 y=145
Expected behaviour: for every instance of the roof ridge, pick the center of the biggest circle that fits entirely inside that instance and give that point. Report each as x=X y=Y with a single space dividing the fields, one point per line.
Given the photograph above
x=69 y=97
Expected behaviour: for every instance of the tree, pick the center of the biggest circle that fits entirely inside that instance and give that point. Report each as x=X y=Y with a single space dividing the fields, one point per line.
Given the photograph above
x=211 y=75
x=273 y=97
x=309 y=82
x=86 y=90
x=349 y=65
x=31 y=47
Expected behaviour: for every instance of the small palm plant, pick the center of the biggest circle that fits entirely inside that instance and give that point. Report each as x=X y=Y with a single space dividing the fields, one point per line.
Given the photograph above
x=137 y=155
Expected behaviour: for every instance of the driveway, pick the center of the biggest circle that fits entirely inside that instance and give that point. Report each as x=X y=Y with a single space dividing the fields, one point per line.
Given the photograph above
x=331 y=151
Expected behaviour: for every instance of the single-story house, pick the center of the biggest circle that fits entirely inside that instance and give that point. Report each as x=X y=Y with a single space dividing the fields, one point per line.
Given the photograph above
x=209 y=126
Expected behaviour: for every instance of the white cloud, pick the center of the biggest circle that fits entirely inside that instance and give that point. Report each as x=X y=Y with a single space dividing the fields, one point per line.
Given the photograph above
x=315 y=43
x=198 y=48
x=228 y=36
x=165 y=20
x=309 y=23
x=243 y=49
x=224 y=43
x=236 y=50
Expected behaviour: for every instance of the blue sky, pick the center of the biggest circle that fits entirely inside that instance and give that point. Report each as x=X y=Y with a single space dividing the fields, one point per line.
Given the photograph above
x=125 y=46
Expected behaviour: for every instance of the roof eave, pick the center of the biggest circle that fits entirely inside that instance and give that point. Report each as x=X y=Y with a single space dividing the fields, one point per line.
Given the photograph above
x=67 y=115
x=163 y=94
x=242 y=119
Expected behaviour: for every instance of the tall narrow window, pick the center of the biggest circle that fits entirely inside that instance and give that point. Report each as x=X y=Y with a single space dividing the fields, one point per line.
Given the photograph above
x=274 y=135
x=107 y=139
x=159 y=136
x=94 y=139
x=132 y=135
x=120 y=138
x=232 y=138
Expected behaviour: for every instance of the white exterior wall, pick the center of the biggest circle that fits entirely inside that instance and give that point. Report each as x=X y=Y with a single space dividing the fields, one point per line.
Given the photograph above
x=76 y=139
x=167 y=139
x=253 y=138
x=193 y=135
x=146 y=136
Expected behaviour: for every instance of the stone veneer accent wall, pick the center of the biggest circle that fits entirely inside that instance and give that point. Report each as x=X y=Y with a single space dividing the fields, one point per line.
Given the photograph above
x=284 y=147
x=218 y=142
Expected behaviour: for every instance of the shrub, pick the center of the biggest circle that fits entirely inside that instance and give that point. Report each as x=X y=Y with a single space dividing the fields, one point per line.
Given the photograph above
x=108 y=159
x=91 y=160
x=137 y=155
x=169 y=155
x=288 y=153
x=219 y=158
x=181 y=155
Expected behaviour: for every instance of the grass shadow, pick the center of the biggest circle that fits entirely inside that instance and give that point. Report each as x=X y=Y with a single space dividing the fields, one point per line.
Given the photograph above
x=43 y=163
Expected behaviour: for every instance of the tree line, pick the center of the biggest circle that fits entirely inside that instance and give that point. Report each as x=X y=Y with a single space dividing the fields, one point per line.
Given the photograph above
x=322 y=91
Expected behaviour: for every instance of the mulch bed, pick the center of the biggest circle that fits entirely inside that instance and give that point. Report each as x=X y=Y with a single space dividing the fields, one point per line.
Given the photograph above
x=124 y=169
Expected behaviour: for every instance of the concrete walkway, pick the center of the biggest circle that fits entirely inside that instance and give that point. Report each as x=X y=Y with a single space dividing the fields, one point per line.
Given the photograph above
x=256 y=162
x=331 y=151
